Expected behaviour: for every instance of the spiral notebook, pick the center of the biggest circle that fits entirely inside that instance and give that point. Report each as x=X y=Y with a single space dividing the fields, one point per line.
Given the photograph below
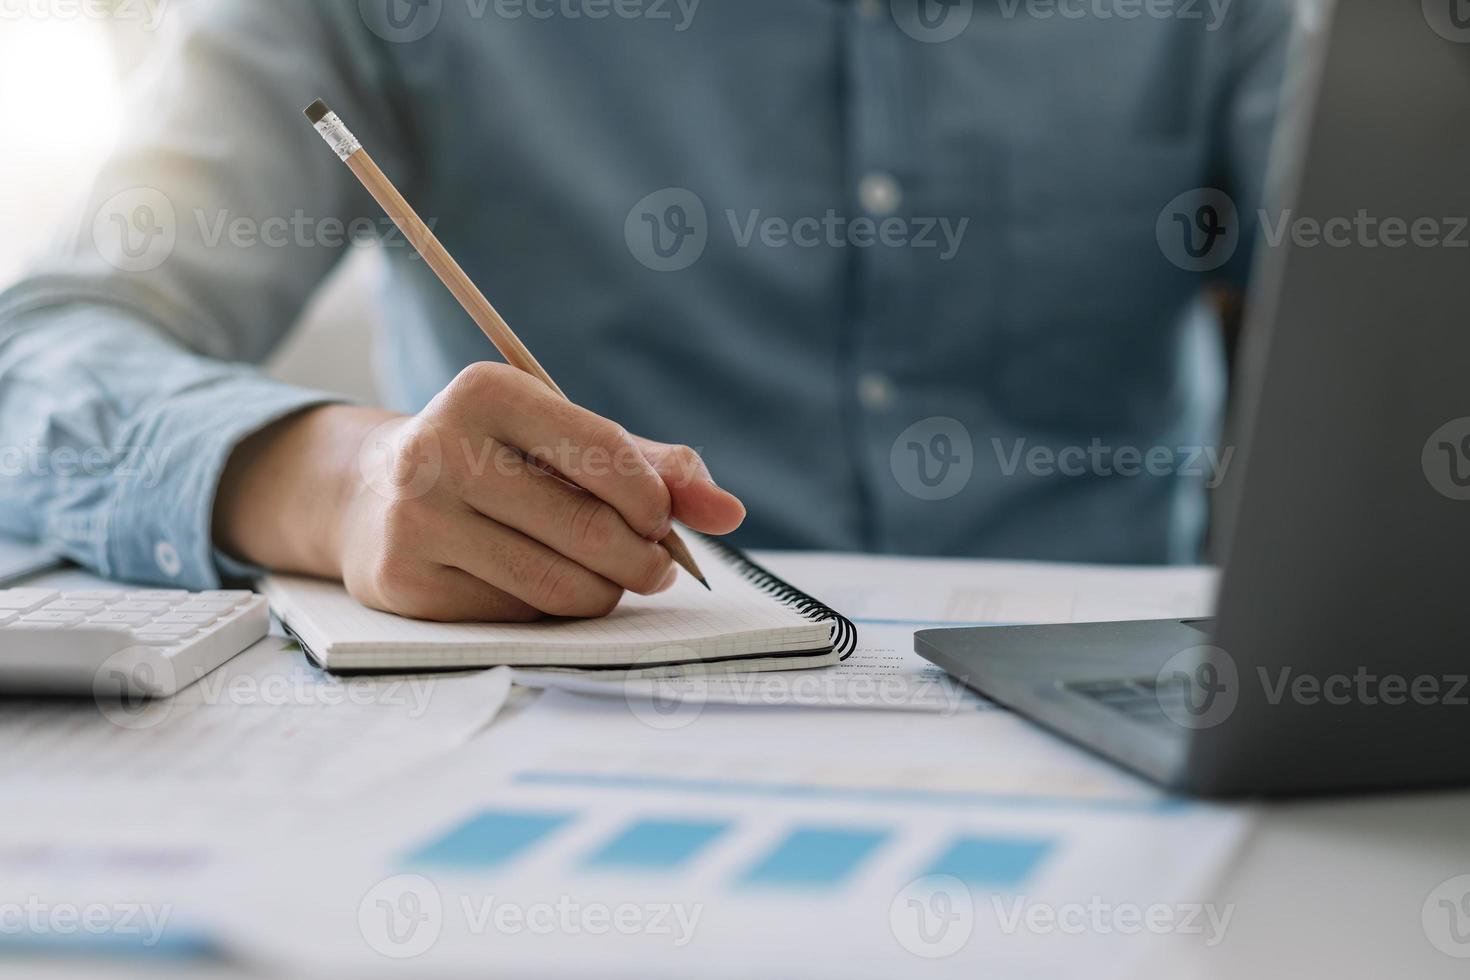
x=750 y=620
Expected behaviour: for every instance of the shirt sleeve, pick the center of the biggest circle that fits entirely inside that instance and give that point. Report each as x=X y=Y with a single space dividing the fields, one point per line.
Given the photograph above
x=126 y=357
x=114 y=440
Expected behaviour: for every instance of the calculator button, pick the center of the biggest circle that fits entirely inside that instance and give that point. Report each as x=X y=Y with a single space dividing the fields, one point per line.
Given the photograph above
x=54 y=618
x=134 y=605
x=196 y=619
x=74 y=605
x=97 y=595
x=170 y=596
x=24 y=600
x=234 y=597
x=121 y=618
x=155 y=640
x=202 y=606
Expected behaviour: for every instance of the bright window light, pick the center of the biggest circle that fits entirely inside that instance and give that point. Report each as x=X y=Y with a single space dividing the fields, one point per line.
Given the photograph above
x=59 y=105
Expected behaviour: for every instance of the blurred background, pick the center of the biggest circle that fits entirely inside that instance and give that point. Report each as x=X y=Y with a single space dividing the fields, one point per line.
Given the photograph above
x=81 y=55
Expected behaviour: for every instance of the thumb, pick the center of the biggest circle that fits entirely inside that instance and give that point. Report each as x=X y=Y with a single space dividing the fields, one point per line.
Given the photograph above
x=698 y=502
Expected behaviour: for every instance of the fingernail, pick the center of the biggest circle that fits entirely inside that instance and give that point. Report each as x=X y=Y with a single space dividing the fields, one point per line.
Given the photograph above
x=670 y=578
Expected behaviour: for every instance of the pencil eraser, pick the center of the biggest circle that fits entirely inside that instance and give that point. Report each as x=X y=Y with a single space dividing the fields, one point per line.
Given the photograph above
x=317 y=111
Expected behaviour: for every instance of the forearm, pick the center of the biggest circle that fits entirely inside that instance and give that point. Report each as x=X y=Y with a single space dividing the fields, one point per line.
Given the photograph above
x=113 y=439
x=285 y=490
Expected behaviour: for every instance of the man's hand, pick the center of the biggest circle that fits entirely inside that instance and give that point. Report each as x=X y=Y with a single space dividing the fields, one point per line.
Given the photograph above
x=499 y=502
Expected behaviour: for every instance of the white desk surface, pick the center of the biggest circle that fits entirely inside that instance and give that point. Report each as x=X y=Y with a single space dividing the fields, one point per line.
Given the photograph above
x=1323 y=888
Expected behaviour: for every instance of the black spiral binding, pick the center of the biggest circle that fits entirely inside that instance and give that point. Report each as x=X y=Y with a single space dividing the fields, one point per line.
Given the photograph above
x=844 y=633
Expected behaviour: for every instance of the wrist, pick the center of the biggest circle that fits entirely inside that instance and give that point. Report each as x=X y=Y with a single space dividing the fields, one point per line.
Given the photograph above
x=287 y=490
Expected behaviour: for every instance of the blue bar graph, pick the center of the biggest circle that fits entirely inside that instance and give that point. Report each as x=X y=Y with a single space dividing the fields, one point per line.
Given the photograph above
x=997 y=862
x=814 y=857
x=657 y=845
x=488 y=839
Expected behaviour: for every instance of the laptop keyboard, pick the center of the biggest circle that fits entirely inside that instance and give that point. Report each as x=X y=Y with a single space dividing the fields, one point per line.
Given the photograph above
x=1142 y=700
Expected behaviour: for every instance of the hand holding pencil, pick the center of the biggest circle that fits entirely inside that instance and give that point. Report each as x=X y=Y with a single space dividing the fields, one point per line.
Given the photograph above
x=500 y=501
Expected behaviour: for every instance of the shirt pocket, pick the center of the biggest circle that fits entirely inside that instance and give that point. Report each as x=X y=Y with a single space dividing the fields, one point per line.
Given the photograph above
x=1091 y=309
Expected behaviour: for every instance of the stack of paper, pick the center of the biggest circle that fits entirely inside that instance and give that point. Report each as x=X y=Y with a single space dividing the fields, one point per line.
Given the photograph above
x=580 y=839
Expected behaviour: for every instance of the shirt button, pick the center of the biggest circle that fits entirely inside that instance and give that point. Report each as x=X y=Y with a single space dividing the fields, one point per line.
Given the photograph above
x=166 y=557
x=879 y=194
x=870 y=9
x=875 y=392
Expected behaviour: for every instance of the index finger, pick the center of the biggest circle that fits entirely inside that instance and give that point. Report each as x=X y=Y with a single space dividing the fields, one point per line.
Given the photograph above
x=595 y=453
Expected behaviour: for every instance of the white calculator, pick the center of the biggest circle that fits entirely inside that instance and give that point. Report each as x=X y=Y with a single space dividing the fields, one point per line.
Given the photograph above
x=117 y=643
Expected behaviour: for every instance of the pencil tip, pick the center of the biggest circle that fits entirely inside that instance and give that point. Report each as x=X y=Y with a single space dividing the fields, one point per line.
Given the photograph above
x=704 y=582
x=317 y=111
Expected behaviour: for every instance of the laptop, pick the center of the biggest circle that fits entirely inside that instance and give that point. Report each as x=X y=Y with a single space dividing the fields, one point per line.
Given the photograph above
x=1338 y=656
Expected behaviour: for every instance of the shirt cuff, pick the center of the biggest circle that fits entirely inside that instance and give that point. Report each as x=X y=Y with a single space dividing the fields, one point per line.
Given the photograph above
x=160 y=530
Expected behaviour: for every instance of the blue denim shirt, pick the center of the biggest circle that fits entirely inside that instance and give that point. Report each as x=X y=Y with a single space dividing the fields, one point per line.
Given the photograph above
x=899 y=270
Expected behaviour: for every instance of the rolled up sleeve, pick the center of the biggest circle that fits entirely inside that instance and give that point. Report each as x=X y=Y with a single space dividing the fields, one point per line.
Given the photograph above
x=112 y=442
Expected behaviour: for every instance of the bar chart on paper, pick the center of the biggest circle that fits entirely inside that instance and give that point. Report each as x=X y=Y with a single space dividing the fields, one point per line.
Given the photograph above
x=812 y=856
x=879 y=882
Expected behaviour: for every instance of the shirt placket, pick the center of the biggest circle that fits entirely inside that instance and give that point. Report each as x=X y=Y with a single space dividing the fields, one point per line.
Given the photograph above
x=880 y=168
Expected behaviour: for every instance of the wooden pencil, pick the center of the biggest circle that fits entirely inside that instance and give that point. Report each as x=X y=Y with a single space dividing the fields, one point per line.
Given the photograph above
x=350 y=151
